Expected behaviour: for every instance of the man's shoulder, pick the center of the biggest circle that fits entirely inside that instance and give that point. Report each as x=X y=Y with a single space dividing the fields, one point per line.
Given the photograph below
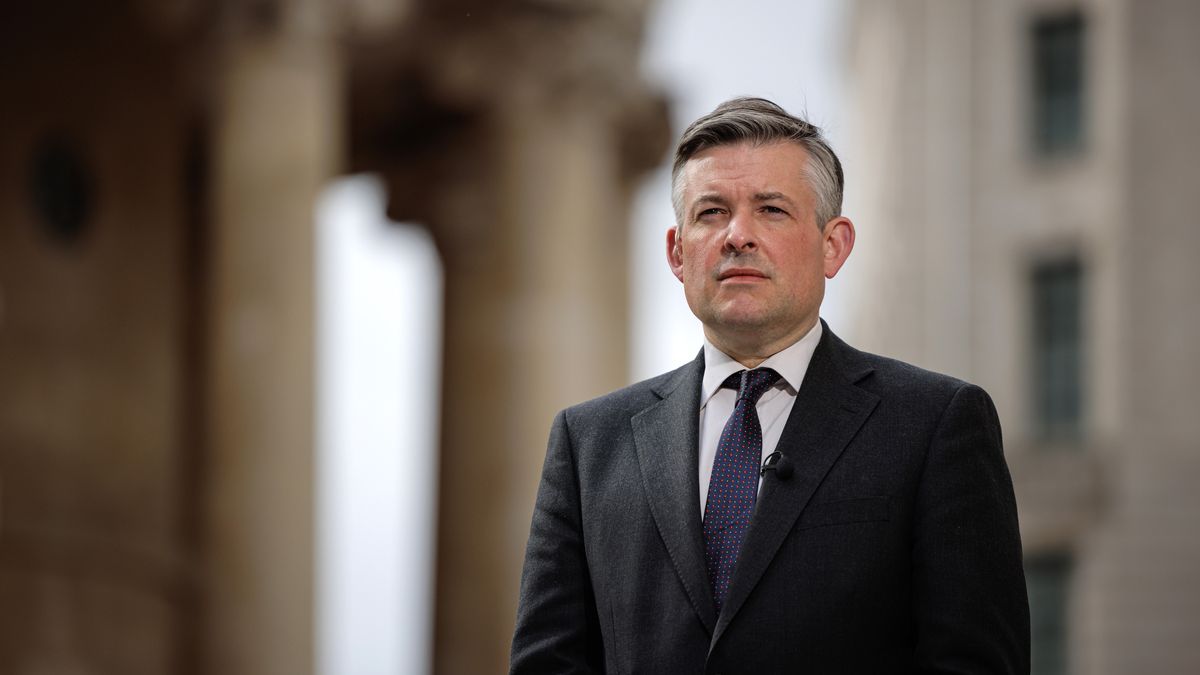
x=893 y=373
x=632 y=399
x=911 y=395
x=887 y=376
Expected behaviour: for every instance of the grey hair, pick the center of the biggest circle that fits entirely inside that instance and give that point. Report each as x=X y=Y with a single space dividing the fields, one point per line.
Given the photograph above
x=759 y=121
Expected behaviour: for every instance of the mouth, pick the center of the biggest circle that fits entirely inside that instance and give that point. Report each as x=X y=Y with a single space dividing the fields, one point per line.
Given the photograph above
x=740 y=274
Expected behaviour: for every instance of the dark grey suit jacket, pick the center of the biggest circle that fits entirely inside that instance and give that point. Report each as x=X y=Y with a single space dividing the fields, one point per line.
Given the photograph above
x=893 y=548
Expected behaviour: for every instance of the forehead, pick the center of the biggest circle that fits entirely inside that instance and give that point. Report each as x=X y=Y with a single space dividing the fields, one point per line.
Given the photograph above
x=776 y=167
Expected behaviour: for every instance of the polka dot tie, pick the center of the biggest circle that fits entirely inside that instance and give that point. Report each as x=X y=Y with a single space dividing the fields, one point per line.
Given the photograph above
x=734 y=485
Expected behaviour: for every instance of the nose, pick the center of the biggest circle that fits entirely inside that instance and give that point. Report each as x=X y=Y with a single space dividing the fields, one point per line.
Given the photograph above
x=740 y=235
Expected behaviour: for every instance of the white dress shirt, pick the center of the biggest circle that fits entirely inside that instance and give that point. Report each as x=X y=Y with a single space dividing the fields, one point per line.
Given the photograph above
x=717 y=403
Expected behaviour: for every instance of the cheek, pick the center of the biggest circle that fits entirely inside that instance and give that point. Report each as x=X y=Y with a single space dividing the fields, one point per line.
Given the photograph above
x=695 y=257
x=807 y=267
x=694 y=272
x=810 y=253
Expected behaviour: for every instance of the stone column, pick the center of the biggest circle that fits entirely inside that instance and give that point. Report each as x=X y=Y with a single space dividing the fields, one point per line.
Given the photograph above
x=536 y=319
x=277 y=140
x=517 y=143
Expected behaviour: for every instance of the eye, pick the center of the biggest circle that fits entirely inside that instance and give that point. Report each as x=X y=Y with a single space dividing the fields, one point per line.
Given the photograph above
x=775 y=210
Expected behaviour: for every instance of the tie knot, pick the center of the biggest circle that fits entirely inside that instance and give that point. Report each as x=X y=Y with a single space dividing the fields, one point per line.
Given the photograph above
x=752 y=384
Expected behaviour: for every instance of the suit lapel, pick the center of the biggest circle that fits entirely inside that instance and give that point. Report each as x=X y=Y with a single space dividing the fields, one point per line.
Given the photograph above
x=828 y=412
x=667 y=439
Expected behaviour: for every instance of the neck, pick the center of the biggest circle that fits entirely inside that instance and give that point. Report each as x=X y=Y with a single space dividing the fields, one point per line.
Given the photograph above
x=749 y=348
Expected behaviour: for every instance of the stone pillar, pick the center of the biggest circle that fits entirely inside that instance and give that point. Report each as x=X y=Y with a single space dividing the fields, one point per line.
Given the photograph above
x=277 y=133
x=518 y=145
x=535 y=319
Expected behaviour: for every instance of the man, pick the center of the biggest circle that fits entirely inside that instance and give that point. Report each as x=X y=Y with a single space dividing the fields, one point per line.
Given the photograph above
x=879 y=537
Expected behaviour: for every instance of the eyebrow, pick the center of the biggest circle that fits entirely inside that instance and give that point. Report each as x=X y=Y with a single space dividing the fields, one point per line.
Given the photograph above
x=768 y=196
x=718 y=199
x=709 y=198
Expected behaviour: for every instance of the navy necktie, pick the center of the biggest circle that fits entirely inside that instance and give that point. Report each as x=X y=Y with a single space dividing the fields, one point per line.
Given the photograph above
x=734 y=485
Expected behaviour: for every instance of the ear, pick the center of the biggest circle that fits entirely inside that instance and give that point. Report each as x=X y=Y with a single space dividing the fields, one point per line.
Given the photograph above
x=838 y=242
x=675 y=252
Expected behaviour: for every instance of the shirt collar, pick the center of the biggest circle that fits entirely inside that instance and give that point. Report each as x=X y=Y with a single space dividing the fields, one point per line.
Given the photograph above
x=791 y=364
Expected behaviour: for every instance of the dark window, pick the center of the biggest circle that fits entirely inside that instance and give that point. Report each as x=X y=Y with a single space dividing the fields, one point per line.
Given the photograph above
x=1048 y=578
x=1057 y=348
x=1058 y=44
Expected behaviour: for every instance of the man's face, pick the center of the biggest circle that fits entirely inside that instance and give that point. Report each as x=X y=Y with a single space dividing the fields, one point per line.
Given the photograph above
x=751 y=256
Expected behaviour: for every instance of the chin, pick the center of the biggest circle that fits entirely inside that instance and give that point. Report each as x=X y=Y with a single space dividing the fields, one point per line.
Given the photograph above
x=742 y=321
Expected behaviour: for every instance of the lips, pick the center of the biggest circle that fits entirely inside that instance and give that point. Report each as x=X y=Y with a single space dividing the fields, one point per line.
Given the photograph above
x=740 y=272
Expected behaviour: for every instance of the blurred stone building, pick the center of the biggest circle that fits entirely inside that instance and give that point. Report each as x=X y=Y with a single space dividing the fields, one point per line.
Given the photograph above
x=1025 y=186
x=159 y=163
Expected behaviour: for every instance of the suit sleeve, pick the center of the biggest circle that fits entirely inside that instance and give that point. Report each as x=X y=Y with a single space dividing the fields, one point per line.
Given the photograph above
x=557 y=626
x=970 y=605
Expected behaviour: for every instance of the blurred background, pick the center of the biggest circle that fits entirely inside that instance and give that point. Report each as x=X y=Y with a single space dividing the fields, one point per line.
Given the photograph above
x=290 y=291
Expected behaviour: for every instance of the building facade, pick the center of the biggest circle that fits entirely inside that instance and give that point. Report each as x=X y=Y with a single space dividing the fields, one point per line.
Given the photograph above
x=1022 y=177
